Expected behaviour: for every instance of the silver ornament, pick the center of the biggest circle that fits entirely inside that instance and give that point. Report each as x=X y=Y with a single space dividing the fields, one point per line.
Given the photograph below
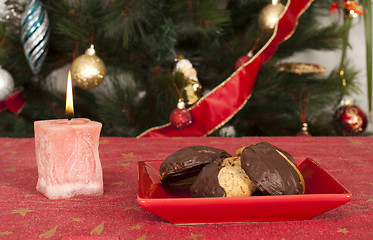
x=35 y=34
x=6 y=84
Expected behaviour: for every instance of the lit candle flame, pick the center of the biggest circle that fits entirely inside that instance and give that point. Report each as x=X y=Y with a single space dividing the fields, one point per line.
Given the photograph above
x=274 y=2
x=69 y=98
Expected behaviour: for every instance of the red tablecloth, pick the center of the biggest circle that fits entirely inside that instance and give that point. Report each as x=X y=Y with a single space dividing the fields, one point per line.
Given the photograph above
x=26 y=214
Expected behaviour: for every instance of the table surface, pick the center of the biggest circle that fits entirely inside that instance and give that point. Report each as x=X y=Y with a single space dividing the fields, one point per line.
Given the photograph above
x=26 y=214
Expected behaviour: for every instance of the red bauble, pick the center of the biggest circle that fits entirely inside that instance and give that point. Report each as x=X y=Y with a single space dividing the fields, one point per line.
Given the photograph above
x=350 y=120
x=180 y=118
x=242 y=60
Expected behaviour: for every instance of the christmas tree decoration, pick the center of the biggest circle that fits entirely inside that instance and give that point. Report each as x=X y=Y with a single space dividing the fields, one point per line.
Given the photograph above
x=192 y=87
x=6 y=84
x=304 y=98
x=243 y=59
x=180 y=118
x=350 y=120
x=88 y=70
x=270 y=14
x=35 y=34
x=301 y=68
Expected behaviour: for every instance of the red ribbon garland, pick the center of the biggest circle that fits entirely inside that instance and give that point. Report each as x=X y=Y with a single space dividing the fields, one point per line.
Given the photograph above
x=223 y=102
x=14 y=102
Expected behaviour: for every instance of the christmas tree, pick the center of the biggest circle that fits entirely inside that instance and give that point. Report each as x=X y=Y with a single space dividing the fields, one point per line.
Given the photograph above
x=136 y=44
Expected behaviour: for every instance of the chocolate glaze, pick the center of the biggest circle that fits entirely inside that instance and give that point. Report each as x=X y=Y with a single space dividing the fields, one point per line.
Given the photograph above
x=207 y=184
x=270 y=172
x=188 y=162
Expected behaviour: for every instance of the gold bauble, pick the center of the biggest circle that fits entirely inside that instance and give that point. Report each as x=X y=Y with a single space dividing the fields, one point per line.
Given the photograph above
x=269 y=15
x=192 y=92
x=88 y=71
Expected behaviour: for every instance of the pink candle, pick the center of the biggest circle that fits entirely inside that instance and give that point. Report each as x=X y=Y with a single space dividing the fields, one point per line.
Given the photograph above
x=67 y=156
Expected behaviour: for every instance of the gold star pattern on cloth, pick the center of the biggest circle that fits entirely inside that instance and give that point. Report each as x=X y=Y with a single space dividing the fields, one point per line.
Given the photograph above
x=12 y=169
x=118 y=183
x=195 y=236
x=134 y=207
x=28 y=195
x=6 y=233
x=98 y=229
x=104 y=141
x=128 y=155
x=124 y=164
x=136 y=227
x=48 y=233
x=370 y=200
x=143 y=237
x=343 y=230
x=76 y=219
x=22 y=212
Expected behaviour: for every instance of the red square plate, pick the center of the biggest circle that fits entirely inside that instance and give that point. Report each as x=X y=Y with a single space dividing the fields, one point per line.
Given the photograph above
x=322 y=194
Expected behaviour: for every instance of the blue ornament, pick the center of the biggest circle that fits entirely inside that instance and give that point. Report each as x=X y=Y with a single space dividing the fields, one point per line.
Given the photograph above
x=35 y=34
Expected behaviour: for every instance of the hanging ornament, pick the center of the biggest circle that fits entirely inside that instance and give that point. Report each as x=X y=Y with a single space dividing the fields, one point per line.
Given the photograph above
x=304 y=98
x=301 y=68
x=270 y=15
x=35 y=34
x=6 y=84
x=88 y=71
x=349 y=119
x=192 y=87
x=242 y=60
x=180 y=118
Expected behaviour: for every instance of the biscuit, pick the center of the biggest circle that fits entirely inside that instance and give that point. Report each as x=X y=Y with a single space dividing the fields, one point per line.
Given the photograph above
x=272 y=170
x=188 y=162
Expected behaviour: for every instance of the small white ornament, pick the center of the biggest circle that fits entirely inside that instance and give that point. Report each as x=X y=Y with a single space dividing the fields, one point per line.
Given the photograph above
x=6 y=84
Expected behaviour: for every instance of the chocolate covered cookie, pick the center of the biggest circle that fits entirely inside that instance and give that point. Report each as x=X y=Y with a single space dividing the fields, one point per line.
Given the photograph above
x=188 y=162
x=272 y=170
x=223 y=178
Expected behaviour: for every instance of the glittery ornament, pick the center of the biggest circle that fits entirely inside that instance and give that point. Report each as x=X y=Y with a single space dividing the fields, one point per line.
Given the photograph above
x=35 y=34
x=269 y=15
x=88 y=71
x=180 y=118
x=192 y=92
x=6 y=84
x=350 y=120
x=192 y=87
